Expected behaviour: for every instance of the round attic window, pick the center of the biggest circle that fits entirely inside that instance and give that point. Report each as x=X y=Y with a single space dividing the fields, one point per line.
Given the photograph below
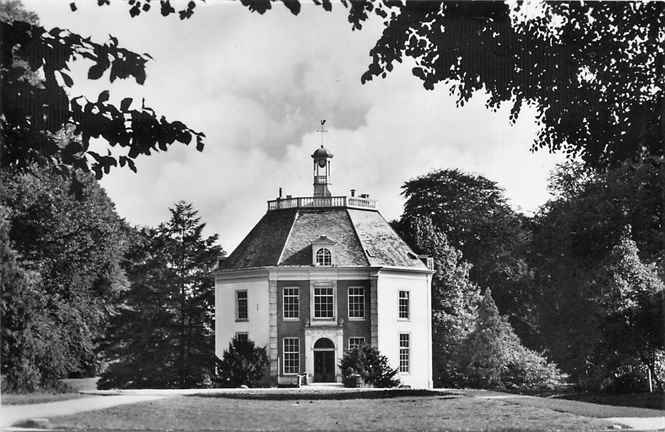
x=323 y=257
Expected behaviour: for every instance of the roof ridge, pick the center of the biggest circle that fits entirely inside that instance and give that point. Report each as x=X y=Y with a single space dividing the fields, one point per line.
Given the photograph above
x=286 y=239
x=410 y=250
x=355 y=232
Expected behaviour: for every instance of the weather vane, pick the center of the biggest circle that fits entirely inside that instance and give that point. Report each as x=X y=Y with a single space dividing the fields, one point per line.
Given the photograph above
x=322 y=130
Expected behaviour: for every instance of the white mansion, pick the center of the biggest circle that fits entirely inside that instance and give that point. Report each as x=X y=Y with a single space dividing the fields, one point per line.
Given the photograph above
x=319 y=275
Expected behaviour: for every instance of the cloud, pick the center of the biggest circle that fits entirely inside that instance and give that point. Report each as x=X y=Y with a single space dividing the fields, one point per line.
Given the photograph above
x=258 y=86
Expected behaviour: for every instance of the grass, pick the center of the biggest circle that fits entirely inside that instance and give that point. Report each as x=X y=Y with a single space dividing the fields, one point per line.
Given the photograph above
x=425 y=413
x=33 y=398
x=641 y=400
x=66 y=389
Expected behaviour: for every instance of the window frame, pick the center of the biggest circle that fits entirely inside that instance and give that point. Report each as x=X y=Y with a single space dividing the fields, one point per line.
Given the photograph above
x=408 y=305
x=333 y=302
x=327 y=256
x=355 y=337
x=402 y=350
x=239 y=333
x=297 y=297
x=362 y=303
x=237 y=305
x=285 y=352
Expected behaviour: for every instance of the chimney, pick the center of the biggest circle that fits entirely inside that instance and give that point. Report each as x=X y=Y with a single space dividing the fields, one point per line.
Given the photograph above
x=280 y=193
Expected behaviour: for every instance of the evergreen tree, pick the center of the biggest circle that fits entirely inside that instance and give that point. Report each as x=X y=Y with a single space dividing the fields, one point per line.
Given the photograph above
x=163 y=333
x=243 y=363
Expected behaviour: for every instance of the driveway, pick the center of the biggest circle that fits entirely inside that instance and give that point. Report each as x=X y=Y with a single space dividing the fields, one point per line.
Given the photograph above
x=12 y=414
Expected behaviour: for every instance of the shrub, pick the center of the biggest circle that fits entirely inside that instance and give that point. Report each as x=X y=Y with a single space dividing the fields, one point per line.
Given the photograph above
x=242 y=364
x=493 y=357
x=370 y=364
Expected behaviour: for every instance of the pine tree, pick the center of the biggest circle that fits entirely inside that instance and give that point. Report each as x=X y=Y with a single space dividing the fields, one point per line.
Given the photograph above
x=163 y=334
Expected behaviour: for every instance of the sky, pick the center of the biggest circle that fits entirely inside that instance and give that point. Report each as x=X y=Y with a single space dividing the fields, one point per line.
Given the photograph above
x=258 y=86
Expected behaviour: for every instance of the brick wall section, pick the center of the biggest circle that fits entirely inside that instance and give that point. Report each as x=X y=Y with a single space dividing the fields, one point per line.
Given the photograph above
x=353 y=328
x=288 y=328
x=292 y=328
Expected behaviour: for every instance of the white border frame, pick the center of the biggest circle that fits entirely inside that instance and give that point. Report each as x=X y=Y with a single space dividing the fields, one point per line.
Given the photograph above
x=348 y=303
x=284 y=373
x=284 y=318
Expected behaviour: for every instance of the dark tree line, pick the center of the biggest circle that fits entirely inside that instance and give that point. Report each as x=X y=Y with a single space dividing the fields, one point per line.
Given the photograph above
x=581 y=280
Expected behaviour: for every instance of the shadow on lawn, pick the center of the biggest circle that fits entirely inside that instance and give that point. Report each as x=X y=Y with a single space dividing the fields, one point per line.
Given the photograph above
x=299 y=394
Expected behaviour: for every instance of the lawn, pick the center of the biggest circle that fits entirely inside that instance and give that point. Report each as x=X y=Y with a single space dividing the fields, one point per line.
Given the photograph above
x=33 y=398
x=68 y=389
x=424 y=413
x=654 y=400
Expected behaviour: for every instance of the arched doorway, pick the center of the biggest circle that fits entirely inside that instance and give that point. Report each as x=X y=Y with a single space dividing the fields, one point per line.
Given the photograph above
x=324 y=360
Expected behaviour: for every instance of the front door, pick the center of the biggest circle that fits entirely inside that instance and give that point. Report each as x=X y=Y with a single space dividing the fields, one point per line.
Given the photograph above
x=324 y=366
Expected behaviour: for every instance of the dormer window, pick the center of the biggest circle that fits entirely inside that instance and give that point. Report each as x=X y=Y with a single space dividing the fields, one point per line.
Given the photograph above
x=323 y=250
x=323 y=257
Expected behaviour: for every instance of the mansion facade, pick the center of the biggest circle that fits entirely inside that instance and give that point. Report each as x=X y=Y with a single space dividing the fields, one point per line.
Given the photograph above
x=320 y=275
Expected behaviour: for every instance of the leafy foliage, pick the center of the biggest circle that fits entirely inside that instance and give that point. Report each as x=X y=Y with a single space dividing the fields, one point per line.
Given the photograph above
x=370 y=364
x=243 y=363
x=591 y=69
x=34 y=76
x=61 y=260
x=493 y=357
x=473 y=213
x=631 y=296
x=162 y=335
x=573 y=237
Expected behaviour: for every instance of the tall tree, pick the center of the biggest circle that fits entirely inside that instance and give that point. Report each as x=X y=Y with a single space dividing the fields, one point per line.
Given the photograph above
x=72 y=246
x=573 y=234
x=454 y=296
x=474 y=214
x=162 y=335
x=630 y=294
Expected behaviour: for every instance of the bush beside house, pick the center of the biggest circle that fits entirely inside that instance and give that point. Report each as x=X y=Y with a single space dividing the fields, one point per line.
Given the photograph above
x=243 y=363
x=370 y=365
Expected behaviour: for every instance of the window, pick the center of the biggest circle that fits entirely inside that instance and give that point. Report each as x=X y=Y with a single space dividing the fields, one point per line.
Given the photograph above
x=404 y=305
x=356 y=302
x=291 y=303
x=242 y=336
x=404 y=352
x=355 y=342
x=323 y=302
x=323 y=257
x=241 y=305
x=291 y=355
